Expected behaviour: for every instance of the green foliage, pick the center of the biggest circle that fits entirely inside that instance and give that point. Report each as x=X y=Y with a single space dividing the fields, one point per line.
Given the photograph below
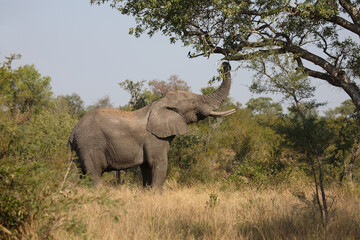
x=24 y=186
x=256 y=159
x=139 y=97
x=282 y=77
x=23 y=92
x=34 y=129
x=207 y=90
x=75 y=104
x=173 y=84
x=307 y=135
x=213 y=200
x=227 y=26
x=254 y=174
x=264 y=105
x=31 y=89
x=346 y=109
x=320 y=32
x=44 y=135
x=23 y=89
x=9 y=130
x=187 y=162
x=258 y=145
x=103 y=102
x=30 y=194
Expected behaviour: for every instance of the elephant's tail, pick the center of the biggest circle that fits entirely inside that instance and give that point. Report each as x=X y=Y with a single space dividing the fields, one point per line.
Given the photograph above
x=69 y=151
x=71 y=140
x=70 y=161
x=71 y=147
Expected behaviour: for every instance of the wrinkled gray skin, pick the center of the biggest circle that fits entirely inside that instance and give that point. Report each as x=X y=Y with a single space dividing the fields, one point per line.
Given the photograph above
x=111 y=139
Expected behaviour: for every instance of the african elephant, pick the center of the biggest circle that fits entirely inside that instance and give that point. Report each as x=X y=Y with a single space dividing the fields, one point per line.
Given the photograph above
x=110 y=139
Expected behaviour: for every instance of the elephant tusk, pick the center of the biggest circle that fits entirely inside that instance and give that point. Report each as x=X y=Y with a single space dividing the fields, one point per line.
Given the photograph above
x=222 y=114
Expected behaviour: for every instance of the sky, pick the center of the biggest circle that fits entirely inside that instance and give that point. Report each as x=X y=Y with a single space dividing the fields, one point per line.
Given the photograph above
x=87 y=50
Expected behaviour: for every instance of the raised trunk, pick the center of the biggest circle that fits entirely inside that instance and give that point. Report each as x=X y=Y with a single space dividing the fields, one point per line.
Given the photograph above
x=217 y=97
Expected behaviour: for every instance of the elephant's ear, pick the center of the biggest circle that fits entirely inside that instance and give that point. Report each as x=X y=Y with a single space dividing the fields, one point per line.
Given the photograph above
x=164 y=122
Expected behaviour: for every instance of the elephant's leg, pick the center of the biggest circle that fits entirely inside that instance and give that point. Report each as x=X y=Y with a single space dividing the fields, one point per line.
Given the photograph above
x=92 y=164
x=156 y=151
x=146 y=174
x=95 y=178
x=159 y=170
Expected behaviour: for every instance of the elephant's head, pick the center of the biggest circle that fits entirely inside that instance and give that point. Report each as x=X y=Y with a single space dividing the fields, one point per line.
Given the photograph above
x=170 y=115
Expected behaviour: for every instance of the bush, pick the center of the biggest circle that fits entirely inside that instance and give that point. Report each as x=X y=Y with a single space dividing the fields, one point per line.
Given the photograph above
x=31 y=205
x=24 y=189
x=32 y=165
x=45 y=135
x=185 y=159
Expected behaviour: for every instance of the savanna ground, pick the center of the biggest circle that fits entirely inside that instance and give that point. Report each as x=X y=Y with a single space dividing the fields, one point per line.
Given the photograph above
x=199 y=212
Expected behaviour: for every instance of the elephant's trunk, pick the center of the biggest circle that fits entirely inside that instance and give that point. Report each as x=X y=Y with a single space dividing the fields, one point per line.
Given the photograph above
x=217 y=97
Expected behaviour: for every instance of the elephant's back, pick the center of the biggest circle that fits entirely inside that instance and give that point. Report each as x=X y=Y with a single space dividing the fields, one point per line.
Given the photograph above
x=112 y=113
x=96 y=117
x=86 y=131
x=105 y=123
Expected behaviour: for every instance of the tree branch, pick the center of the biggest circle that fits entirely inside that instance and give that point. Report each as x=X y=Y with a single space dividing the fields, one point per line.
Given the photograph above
x=250 y=56
x=328 y=67
x=351 y=10
x=322 y=76
x=355 y=28
x=337 y=78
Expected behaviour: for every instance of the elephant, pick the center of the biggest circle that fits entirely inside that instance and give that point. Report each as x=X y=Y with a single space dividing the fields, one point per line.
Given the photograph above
x=109 y=139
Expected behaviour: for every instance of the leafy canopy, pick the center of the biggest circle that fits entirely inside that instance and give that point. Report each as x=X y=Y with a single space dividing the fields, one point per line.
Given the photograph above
x=22 y=89
x=141 y=97
x=321 y=33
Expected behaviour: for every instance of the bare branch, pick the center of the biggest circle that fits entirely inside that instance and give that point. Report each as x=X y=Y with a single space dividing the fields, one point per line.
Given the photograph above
x=325 y=48
x=196 y=55
x=328 y=67
x=249 y=56
x=322 y=76
x=351 y=10
x=355 y=28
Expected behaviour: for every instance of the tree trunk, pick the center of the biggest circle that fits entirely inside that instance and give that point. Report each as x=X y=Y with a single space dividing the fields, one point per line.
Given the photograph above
x=118 y=178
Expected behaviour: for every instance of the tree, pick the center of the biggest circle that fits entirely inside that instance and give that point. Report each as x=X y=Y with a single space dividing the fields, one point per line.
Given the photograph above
x=310 y=137
x=23 y=89
x=346 y=109
x=75 y=104
x=139 y=97
x=264 y=105
x=347 y=120
x=315 y=33
x=173 y=84
x=307 y=135
x=103 y=102
x=23 y=93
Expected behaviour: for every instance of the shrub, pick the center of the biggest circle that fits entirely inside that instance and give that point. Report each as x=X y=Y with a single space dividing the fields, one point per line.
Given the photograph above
x=24 y=189
x=44 y=135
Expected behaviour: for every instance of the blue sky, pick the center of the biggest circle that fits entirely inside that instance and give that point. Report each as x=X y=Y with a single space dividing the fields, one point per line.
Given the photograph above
x=87 y=50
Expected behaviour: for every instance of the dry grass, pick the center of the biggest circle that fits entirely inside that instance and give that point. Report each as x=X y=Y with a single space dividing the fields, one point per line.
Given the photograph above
x=209 y=213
